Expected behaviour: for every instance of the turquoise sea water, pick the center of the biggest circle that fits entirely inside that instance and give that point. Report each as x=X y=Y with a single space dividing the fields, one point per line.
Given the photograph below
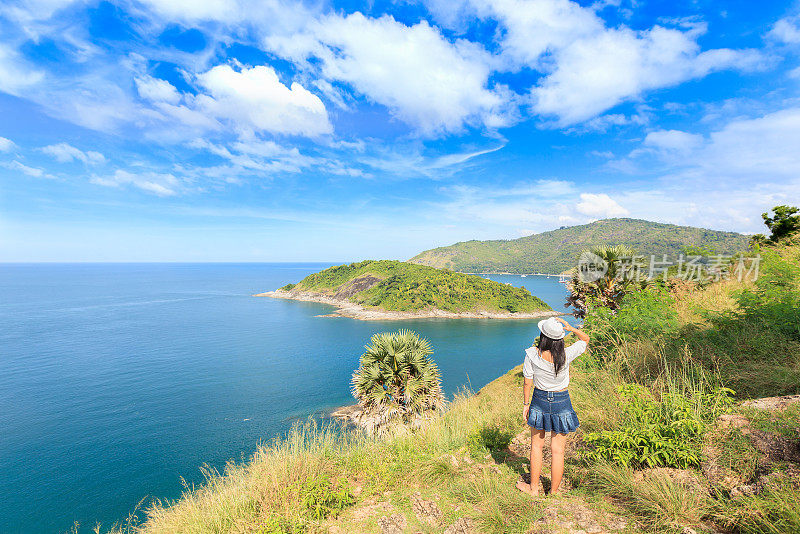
x=116 y=380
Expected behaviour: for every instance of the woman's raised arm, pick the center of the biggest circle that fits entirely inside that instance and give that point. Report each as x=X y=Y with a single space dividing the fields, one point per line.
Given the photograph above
x=583 y=336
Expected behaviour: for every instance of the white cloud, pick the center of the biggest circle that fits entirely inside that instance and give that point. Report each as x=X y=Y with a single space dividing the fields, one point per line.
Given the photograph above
x=16 y=74
x=160 y=184
x=157 y=90
x=587 y=67
x=673 y=141
x=258 y=155
x=600 y=205
x=430 y=83
x=787 y=30
x=597 y=72
x=6 y=145
x=449 y=160
x=763 y=148
x=65 y=153
x=263 y=15
x=25 y=169
x=411 y=160
x=254 y=99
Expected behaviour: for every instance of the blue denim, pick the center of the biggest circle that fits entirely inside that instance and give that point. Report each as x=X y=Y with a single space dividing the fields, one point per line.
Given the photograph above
x=552 y=411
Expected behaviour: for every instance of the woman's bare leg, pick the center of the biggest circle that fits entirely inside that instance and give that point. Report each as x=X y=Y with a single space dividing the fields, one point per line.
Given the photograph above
x=558 y=443
x=537 y=444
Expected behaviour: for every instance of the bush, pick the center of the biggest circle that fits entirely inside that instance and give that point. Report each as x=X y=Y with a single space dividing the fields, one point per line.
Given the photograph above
x=321 y=497
x=490 y=438
x=648 y=313
x=659 y=432
x=774 y=298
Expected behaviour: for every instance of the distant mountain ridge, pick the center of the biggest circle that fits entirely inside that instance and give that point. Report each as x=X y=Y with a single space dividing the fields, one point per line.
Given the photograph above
x=557 y=250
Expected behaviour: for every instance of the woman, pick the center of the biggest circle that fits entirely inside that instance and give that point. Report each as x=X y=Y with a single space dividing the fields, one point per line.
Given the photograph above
x=550 y=409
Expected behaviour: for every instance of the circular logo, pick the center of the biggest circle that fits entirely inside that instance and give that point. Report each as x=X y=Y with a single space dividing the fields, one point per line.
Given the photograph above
x=591 y=267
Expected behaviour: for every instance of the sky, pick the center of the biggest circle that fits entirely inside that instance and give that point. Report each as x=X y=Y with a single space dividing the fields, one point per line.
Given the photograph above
x=264 y=130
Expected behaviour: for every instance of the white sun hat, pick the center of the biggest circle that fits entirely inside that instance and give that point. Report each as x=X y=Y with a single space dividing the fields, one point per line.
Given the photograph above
x=552 y=328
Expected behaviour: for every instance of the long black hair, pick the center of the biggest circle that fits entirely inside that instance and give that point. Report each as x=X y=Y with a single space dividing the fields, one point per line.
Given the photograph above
x=556 y=348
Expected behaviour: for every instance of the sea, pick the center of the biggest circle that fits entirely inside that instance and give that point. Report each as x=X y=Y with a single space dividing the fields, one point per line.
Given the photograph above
x=118 y=382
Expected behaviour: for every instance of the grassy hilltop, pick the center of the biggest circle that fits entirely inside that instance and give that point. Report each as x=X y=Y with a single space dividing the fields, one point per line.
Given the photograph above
x=662 y=447
x=406 y=287
x=558 y=250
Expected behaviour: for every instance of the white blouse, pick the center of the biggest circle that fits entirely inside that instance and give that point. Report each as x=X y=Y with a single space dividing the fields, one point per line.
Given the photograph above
x=543 y=372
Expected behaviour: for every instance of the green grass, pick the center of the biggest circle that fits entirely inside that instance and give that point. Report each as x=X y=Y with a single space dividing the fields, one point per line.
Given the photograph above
x=401 y=286
x=558 y=250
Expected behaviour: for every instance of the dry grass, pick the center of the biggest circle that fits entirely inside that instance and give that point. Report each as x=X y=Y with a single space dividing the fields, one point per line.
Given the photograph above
x=693 y=306
x=660 y=503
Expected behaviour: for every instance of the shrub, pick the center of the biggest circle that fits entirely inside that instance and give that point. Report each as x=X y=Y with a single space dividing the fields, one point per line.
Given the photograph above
x=653 y=432
x=490 y=438
x=647 y=313
x=774 y=298
x=321 y=497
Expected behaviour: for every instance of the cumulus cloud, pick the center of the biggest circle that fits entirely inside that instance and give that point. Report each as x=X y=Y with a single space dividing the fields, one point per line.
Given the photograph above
x=587 y=67
x=254 y=99
x=160 y=184
x=6 y=145
x=600 y=205
x=65 y=153
x=598 y=72
x=430 y=83
x=786 y=30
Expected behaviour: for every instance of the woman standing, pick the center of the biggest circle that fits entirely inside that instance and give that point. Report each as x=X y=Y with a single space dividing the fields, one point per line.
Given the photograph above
x=550 y=408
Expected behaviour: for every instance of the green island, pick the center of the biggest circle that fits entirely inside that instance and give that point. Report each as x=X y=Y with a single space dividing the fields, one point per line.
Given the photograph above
x=395 y=289
x=555 y=251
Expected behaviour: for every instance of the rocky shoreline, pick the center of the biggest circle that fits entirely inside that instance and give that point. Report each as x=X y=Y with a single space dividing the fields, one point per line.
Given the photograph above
x=356 y=311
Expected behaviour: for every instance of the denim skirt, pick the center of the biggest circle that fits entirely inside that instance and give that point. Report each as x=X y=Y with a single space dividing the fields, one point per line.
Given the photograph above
x=552 y=411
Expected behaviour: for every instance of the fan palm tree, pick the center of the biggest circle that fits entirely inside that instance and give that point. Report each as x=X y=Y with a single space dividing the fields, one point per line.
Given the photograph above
x=396 y=382
x=619 y=275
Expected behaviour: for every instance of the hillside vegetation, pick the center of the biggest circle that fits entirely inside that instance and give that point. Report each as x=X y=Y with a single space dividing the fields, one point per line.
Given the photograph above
x=558 y=250
x=401 y=286
x=663 y=445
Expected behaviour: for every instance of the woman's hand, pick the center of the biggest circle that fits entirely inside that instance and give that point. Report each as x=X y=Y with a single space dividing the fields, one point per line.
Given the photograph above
x=525 y=411
x=581 y=335
x=567 y=326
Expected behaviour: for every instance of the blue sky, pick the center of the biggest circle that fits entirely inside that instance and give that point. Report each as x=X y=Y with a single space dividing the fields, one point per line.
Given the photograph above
x=261 y=130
